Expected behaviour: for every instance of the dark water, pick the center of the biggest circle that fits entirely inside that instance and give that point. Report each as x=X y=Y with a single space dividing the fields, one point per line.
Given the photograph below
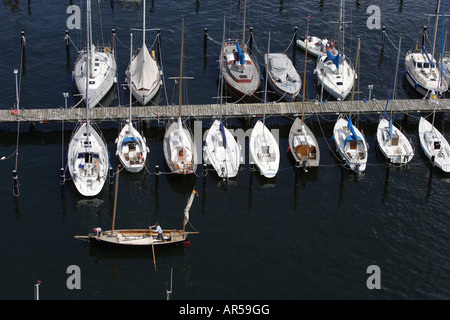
x=306 y=236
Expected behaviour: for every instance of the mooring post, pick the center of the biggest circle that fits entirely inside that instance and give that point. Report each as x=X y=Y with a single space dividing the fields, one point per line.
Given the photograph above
x=67 y=40
x=424 y=35
x=157 y=174
x=383 y=35
x=205 y=40
x=23 y=42
x=159 y=46
x=113 y=35
x=294 y=44
x=15 y=183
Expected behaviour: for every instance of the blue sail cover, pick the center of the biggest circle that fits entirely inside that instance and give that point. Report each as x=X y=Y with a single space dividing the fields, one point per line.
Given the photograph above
x=130 y=140
x=390 y=127
x=354 y=136
x=426 y=53
x=222 y=130
x=240 y=53
x=336 y=59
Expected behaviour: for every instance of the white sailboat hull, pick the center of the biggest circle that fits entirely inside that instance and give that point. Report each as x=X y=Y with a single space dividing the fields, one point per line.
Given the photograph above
x=337 y=82
x=397 y=148
x=87 y=160
x=102 y=76
x=223 y=154
x=434 y=145
x=132 y=149
x=354 y=153
x=423 y=78
x=179 y=149
x=264 y=150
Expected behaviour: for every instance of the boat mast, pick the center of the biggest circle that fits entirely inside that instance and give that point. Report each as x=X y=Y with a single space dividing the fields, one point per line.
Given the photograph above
x=88 y=58
x=115 y=201
x=354 y=76
x=181 y=65
x=265 y=86
x=131 y=82
x=243 y=26
x=143 y=26
x=304 y=72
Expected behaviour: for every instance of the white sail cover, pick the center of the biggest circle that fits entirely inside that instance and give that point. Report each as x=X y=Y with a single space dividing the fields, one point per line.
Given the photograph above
x=144 y=70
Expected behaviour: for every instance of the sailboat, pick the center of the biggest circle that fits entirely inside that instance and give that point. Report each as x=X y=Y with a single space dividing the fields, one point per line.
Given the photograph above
x=283 y=77
x=140 y=238
x=335 y=73
x=302 y=142
x=391 y=141
x=143 y=72
x=179 y=147
x=87 y=156
x=221 y=149
x=433 y=142
x=95 y=65
x=237 y=67
x=132 y=147
x=350 y=143
x=264 y=149
x=422 y=71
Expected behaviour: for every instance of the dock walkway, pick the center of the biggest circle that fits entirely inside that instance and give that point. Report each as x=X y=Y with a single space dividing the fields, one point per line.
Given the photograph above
x=228 y=110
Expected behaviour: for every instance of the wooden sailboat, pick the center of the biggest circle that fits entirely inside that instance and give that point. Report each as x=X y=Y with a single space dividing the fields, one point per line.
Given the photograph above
x=433 y=142
x=221 y=149
x=87 y=156
x=264 y=149
x=132 y=149
x=302 y=142
x=143 y=73
x=238 y=68
x=95 y=65
x=179 y=147
x=140 y=238
x=391 y=141
x=350 y=143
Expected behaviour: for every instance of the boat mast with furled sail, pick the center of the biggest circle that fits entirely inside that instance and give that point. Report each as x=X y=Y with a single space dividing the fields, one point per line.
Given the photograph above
x=237 y=67
x=302 y=142
x=87 y=156
x=143 y=73
x=179 y=146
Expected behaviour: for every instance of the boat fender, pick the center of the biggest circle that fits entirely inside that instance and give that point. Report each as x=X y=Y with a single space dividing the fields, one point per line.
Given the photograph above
x=107 y=50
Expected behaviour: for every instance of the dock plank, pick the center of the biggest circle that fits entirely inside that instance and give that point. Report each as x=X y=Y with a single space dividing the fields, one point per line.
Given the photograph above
x=228 y=110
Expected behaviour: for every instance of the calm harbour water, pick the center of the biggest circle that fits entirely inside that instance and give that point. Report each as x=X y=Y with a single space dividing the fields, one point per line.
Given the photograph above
x=306 y=236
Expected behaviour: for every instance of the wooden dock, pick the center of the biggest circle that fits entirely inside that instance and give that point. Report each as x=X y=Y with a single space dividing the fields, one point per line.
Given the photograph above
x=228 y=110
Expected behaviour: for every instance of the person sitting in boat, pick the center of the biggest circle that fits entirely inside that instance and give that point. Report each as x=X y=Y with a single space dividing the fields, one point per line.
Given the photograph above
x=324 y=44
x=97 y=231
x=159 y=231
